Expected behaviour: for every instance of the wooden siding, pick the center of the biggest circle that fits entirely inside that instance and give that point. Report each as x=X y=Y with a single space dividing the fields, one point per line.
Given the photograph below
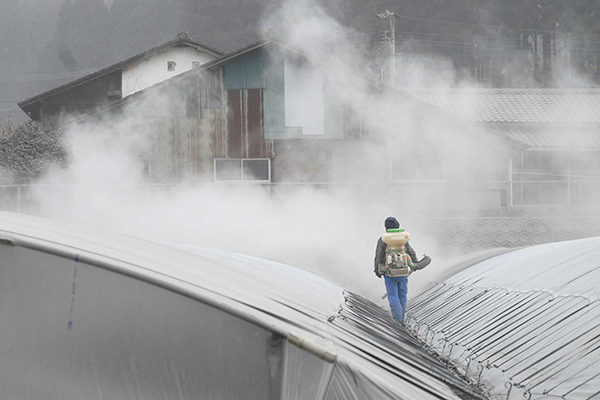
x=235 y=123
x=255 y=128
x=245 y=124
x=184 y=149
x=77 y=100
x=172 y=140
x=206 y=122
x=259 y=70
x=186 y=140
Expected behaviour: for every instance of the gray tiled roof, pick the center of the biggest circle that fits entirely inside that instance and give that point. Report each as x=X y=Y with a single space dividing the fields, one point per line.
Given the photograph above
x=516 y=105
x=562 y=139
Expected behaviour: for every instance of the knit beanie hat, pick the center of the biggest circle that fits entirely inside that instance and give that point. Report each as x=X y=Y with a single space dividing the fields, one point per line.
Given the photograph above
x=391 y=223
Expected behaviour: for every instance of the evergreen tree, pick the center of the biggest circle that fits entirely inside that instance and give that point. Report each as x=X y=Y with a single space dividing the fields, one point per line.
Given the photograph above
x=39 y=16
x=87 y=35
x=121 y=11
x=81 y=41
x=12 y=48
x=26 y=152
x=12 y=32
x=583 y=23
x=91 y=33
x=150 y=23
x=224 y=25
x=58 y=55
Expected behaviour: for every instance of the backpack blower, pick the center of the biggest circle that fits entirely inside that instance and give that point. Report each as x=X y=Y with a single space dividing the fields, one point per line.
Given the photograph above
x=397 y=263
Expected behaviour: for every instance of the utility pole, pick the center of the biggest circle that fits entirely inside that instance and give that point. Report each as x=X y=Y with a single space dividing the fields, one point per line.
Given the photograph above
x=391 y=16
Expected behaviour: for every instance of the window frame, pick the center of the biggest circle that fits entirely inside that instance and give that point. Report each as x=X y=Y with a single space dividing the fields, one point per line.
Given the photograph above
x=242 y=161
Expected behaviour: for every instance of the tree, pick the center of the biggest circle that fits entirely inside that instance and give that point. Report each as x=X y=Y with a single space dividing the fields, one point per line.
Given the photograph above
x=27 y=151
x=58 y=56
x=81 y=40
x=224 y=25
x=91 y=33
x=12 y=48
x=150 y=23
x=583 y=24
x=11 y=32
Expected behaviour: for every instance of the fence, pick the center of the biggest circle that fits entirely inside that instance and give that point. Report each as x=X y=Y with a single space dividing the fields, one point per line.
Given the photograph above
x=471 y=234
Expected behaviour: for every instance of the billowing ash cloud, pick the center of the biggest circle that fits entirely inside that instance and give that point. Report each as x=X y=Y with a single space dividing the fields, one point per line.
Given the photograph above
x=329 y=232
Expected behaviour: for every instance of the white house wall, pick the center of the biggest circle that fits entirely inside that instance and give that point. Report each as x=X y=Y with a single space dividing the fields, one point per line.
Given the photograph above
x=304 y=99
x=148 y=72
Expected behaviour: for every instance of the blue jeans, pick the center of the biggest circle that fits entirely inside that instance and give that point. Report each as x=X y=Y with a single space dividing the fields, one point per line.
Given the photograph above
x=397 y=290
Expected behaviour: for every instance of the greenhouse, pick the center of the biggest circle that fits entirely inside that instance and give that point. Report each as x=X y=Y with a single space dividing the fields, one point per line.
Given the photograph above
x=95 y=315
x=524 y=323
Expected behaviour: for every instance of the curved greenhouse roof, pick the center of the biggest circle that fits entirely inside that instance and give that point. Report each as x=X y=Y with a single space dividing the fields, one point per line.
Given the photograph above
x=95 y=315
x=526 y=321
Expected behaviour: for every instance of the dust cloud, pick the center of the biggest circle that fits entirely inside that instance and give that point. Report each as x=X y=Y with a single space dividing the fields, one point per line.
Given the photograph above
x=330 y=233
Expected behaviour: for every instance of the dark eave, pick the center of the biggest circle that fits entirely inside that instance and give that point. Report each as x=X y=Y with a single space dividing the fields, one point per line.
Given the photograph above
x=28 y=104
x=234 y=54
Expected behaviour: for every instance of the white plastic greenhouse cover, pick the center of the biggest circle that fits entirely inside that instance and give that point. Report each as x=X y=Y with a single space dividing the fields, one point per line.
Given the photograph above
x=95 y=315
x=522 y=323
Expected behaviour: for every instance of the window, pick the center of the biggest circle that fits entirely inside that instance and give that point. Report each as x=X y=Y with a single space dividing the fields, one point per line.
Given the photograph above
x=114 y=85
x=430 y=169
x=171 y=65
x=242 y=170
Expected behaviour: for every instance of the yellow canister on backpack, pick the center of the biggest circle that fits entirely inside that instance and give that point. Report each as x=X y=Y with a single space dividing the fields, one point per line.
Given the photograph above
x=396 y=238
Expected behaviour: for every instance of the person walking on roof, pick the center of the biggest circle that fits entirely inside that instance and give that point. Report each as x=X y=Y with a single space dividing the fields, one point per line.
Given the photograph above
x=395 y=273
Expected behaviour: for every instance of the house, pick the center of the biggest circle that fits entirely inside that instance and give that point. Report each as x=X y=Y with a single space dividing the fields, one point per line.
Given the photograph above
x=118 y=81
x=271 y=114
x=285 y=117
x=560 y=129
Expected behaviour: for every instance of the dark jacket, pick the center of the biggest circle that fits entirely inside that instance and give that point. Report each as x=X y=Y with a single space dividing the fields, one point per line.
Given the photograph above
x=380 y=254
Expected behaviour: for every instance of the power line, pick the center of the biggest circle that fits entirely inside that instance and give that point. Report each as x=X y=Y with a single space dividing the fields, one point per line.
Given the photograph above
x=466 y=45
x=378 y=34
x=483 y=37
x=520 y=30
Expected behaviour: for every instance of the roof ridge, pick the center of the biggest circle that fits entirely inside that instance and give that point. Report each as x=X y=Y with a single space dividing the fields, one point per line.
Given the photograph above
x=517 y=105
x=179 y=40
